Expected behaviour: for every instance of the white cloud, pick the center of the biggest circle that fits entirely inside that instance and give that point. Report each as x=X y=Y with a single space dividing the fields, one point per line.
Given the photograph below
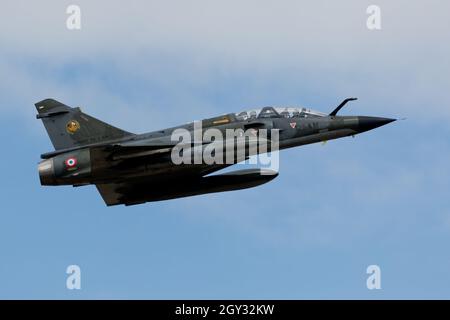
x=187 y=49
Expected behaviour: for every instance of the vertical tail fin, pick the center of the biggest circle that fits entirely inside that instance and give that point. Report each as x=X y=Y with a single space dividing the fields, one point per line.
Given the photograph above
x=69 y=127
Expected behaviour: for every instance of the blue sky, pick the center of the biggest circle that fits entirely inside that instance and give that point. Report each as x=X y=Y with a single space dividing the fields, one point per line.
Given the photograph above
x=380 y=198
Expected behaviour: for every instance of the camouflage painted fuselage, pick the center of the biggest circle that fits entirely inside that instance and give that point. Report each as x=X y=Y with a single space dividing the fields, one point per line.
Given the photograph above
x=130 y=169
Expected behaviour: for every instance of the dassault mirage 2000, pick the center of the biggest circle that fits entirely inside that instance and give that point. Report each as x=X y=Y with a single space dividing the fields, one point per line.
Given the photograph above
x=132 y=168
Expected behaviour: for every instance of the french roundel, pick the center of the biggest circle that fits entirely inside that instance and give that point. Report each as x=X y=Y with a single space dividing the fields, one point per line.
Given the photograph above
x=71 y=162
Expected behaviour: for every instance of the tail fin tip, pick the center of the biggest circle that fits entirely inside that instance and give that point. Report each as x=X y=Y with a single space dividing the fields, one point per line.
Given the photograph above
x=46 y=105
x=68 y=127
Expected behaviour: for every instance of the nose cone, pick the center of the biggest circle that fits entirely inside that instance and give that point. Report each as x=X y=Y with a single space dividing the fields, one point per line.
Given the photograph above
x=369 y=123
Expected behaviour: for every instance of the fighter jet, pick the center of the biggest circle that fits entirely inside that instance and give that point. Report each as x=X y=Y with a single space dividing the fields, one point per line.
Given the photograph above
x=132 y=168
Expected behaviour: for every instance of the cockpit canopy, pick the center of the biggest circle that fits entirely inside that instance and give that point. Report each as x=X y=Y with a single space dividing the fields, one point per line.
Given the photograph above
x=266 y=112
x=274 y=112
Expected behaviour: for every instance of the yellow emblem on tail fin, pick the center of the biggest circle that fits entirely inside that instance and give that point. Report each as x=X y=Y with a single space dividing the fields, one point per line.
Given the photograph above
x=72 y=126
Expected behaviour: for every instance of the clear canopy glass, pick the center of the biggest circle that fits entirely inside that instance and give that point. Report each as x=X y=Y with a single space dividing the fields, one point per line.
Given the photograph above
x=275 y=112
